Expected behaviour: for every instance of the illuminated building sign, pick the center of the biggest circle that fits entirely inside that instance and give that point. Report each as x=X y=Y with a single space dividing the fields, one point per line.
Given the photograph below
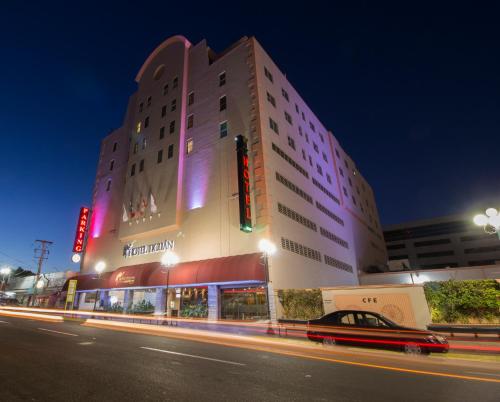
x=81 y=229
x=243 y=184
x=130 y=251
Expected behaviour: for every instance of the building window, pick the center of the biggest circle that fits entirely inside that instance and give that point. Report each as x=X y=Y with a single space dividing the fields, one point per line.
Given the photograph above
x=115 y=145
x=341 y=172
x=315 y=146
x=132 y=170
x=175 y=82
x=146 y=122
x=173 y=105
x=162 y=132
x=141 y=106
x=321 y=138
x=136 y=147
x=268 y=74
x=291 y=142
x=191 y=98
x=274 y=126
x=111 y=165
x=160 y=156
x=108 y=185
x=172 y=127
x=271 y=99
x=141 y=165
x=307 y=138
x=311 y=126
x=138 y=128
x=304 y=155
x=170 y=153
x=337 y=153
x=357 y=190
x=190 y=121
x=319 y=169
x=285 y=94
x=350 y=181
x=354 y=200
x=222 y=103
x=310 y=160
x=163 y=111
x=222 y=79
x=345 y=191
x=288 y=118
x=144 y=143
x=223 y=129
x=303 y=116
x=297 y=108
x=324 y=157
x=165 y=89
x=328 y=178
x=346 y=164
x=189 y=146
x=149 y=101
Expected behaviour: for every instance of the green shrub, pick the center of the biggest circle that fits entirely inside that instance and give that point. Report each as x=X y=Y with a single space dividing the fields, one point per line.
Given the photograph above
x=195 y=310
x=464 y=302
x=301 y=304
x=143 y=307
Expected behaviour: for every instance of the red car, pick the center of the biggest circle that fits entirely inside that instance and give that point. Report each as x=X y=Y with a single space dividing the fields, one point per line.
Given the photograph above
x=369 y=329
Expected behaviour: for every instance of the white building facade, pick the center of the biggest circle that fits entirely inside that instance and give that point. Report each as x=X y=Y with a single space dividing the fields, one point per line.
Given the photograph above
x=170 y=179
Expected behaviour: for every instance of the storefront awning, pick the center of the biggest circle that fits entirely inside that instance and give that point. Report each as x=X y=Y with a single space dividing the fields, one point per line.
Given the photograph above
x=238 y=268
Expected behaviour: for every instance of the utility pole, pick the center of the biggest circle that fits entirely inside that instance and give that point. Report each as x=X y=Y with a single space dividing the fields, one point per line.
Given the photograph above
x=41 y=252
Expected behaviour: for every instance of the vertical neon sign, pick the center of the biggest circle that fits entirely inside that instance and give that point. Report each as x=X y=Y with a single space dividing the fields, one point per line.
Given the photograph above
x=81 y=229
x=243 y=184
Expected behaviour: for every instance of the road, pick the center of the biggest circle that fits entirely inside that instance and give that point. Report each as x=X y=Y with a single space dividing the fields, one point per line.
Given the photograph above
x=43 y=361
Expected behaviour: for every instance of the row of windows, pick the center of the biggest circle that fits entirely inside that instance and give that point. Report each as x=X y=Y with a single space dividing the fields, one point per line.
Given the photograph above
x=170 y=154
x=296 y=217
x=325 y=190
x=338 y=264
x=329 y=213
x=436 y=254
x=297 y=190
x=290 y=160
x=431 y=242
x=300 y=249
x=439 y=265
x=332 y=237
x=486 y=249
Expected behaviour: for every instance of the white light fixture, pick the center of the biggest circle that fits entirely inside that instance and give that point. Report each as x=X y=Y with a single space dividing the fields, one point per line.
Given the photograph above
x=100 y=267
x=491 y=212
x=480 y=220
x=494 y=221
x=5 y=271
x=76 y=258
x=169 y=258
x=39 y=284
x=267 y=247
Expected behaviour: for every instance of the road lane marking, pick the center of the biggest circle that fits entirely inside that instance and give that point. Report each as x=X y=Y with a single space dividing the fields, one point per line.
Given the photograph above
x=57 y=332
x=86 y=343
x=4 y=322
x=193 y=356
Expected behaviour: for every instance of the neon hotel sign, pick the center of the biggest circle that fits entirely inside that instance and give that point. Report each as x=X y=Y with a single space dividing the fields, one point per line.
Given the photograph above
x=243 y=184
x=81 y=229
x=130 y=251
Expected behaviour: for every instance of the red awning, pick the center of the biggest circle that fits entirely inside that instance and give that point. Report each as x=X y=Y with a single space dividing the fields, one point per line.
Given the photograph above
x=238 y=268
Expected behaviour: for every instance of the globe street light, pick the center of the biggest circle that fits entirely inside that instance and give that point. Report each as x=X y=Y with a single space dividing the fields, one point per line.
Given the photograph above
x=268 y=248
x=169 y=259
x=5 y=271
x=490 y=221
x=99 y=268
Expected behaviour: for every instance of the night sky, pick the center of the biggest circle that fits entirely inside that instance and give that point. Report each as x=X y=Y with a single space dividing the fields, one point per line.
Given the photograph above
x=411 y=91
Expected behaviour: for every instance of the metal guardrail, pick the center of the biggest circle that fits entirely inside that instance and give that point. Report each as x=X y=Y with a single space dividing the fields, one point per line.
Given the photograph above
x=466 y=329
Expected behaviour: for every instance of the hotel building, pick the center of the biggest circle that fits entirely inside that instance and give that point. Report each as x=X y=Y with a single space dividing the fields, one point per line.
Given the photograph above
x=171 y=178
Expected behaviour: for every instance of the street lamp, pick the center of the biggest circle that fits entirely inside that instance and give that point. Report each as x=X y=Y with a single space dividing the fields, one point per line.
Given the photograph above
x=268 y=248
x=5 y=271
x=99 y=268
x=168 y=260
x=490 y=221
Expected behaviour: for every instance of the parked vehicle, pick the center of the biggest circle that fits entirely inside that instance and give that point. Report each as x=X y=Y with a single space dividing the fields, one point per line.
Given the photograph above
x=369 y=329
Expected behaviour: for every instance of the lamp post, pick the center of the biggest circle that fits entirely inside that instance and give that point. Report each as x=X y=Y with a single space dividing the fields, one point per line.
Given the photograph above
x=99 y=268
x=5 y=271
x=490 y=221
x=268 y=248
x=169 y=259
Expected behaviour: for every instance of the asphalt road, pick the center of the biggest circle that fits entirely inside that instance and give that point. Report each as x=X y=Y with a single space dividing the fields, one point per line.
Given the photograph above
x=79 y=363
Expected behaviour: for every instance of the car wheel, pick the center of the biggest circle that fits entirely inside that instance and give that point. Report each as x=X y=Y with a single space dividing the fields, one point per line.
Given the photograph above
x=412 y=348
x=329 y=340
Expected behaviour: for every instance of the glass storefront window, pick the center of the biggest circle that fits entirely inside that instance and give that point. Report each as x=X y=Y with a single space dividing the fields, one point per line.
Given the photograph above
x=194 y=302
x=244 y=303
